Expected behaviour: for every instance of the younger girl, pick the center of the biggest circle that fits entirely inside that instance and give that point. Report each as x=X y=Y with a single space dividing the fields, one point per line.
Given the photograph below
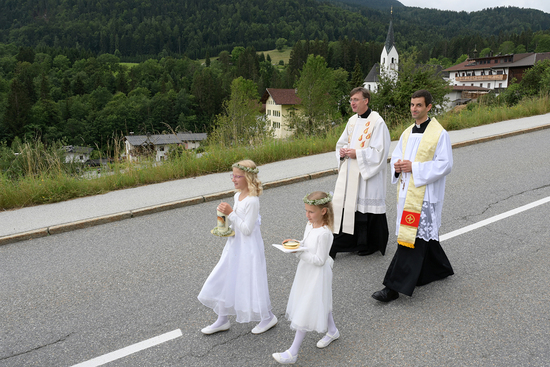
x=310 y=302
x=238 y=283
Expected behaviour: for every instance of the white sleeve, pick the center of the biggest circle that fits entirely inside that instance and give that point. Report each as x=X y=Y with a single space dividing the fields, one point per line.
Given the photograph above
x=395 y=156
x=320 y=256
x=341 y=143
x=246 y=225
x=425 y=173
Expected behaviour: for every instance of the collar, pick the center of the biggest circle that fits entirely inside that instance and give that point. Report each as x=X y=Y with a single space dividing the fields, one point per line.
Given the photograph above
x=366 y=114
x=419 y=129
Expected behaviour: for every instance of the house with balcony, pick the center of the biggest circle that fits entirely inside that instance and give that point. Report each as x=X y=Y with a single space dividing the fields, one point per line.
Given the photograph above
x=493 y=72
x=279 y=105
x=137 y=146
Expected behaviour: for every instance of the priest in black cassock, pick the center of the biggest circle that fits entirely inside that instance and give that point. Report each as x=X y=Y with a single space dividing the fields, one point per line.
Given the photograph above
x=359 y=202
x=419 y=165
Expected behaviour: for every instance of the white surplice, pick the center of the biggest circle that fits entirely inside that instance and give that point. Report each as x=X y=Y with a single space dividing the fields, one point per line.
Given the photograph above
x=432 y=174
x=372 y=161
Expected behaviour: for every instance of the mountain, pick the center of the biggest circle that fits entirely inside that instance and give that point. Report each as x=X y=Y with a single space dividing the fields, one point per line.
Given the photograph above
x=373 y=4
x=139 y=29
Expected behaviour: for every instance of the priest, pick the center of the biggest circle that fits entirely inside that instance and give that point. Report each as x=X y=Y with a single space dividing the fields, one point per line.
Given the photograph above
x=419 y=165
x=359 y=201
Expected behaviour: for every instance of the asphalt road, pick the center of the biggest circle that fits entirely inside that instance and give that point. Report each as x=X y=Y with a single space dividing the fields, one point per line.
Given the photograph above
x=72 y=297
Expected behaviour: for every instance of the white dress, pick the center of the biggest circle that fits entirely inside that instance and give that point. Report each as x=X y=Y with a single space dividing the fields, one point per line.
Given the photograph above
x=310 y=299
x=238 y=283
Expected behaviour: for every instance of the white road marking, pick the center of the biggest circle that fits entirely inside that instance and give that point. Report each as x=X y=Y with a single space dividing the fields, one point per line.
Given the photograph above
x=487 y=221
x=109 y=357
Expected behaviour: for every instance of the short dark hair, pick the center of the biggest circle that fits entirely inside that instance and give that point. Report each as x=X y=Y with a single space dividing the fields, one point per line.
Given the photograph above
x=423 y=93
x=364 y=91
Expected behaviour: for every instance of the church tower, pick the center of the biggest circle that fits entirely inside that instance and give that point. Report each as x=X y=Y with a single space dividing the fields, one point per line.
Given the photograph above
x=389 y=62
x=389 y=59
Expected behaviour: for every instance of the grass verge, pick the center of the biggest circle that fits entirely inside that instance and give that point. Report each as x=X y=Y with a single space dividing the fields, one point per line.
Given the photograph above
x=54 y=185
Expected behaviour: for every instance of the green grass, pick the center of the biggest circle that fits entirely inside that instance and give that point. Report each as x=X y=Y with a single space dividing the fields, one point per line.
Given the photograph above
x=277 y=55
x=129 y=64
x=54 y=184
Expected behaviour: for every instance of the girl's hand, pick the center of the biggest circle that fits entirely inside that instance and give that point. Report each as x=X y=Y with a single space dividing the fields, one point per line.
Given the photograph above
x=225 y=208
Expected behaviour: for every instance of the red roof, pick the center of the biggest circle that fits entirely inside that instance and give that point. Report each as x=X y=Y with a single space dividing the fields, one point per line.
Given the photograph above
x=282 y=96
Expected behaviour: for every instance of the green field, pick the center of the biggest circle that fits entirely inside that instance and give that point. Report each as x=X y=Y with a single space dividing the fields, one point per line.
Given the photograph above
x=275 y=55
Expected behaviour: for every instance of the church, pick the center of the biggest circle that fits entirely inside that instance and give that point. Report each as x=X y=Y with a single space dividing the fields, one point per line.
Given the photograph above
x=389 y=63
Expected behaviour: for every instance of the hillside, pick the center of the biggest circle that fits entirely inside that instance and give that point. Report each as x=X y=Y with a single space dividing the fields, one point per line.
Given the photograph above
x=140 y=29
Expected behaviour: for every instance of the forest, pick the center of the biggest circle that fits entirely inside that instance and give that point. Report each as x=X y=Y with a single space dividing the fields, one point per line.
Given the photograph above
x=86 y=71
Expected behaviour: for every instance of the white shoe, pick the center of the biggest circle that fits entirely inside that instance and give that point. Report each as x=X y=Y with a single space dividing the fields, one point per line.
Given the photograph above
x=323 y=343
x=282 y=360
x=211 y=330
x=258 y=330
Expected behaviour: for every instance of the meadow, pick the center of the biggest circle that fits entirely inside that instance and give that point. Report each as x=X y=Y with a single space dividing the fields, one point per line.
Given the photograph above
x=44 y=178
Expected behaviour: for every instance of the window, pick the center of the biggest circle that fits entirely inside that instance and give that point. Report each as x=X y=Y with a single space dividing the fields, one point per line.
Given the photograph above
x=500 y=85
x=481 y=85
x=488 y=85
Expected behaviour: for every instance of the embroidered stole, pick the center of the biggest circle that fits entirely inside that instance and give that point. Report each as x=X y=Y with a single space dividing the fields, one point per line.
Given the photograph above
x=410 y=219
x=349 y=175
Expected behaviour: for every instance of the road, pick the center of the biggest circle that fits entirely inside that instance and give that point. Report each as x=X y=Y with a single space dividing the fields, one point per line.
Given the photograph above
x=69 y=298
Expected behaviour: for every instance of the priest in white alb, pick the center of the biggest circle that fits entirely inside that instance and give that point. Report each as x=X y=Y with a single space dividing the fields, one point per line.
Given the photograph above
x=420 y=164
x=359 y=202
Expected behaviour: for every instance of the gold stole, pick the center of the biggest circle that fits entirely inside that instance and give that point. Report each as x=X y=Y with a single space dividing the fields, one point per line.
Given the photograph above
x=410 y=219
x=351 y=169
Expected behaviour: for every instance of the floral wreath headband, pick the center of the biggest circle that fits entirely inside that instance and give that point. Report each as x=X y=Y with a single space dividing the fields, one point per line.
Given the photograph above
x=322 y=201
x=246 y=169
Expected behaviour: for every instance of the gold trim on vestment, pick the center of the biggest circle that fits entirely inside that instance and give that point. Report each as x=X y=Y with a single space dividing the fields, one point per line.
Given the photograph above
x=415 y=195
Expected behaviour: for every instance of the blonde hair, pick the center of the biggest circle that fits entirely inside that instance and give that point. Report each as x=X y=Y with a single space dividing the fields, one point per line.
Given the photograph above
x=254 y=184
x=328 y=218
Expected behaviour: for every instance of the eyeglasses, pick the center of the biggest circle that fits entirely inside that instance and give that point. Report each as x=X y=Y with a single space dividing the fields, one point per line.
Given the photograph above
x=355 y=100
x=236 y=177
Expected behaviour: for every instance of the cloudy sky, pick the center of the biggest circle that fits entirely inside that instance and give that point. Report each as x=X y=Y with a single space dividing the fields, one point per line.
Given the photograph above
x=475 y=5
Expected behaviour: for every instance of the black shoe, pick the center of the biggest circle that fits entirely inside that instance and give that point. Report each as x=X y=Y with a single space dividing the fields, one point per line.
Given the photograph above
x=367 y=253
x=385 y=295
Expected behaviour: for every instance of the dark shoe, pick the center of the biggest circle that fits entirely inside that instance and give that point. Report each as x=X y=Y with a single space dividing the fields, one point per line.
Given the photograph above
x=385 y=295
x=367 y=253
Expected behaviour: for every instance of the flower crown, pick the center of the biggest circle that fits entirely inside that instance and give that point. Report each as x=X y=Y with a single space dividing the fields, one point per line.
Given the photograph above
x=322 y=201
x=246 y=169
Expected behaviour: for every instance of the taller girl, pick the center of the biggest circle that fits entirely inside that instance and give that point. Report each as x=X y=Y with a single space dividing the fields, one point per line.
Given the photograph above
x=238 y=283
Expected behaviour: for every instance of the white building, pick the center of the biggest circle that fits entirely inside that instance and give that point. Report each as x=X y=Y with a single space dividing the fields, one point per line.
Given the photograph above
x=279 y=105
x=74 y=154
x=493 y=72
x=145 y=145
x=389 y=63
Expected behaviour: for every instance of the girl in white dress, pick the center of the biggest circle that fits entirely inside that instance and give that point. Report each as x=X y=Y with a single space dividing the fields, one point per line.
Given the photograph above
x=309 y=305
x=238 y=283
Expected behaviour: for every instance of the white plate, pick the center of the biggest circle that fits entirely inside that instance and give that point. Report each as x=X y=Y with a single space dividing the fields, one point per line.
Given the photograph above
x=280 y=247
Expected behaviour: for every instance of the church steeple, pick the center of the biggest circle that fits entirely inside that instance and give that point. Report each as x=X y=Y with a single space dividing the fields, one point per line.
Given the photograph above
x=389 y=37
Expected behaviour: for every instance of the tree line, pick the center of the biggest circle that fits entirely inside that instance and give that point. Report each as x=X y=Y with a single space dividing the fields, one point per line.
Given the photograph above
x=136 y=30
x=87 y=100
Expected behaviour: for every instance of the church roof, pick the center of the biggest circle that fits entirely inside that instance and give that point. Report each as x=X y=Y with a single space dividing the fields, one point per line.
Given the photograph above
x=374 y=73
x=389 y=38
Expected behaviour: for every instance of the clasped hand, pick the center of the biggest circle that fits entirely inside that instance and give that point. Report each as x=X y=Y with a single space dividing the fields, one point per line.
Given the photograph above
x=403 y=166
x=347 y=153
